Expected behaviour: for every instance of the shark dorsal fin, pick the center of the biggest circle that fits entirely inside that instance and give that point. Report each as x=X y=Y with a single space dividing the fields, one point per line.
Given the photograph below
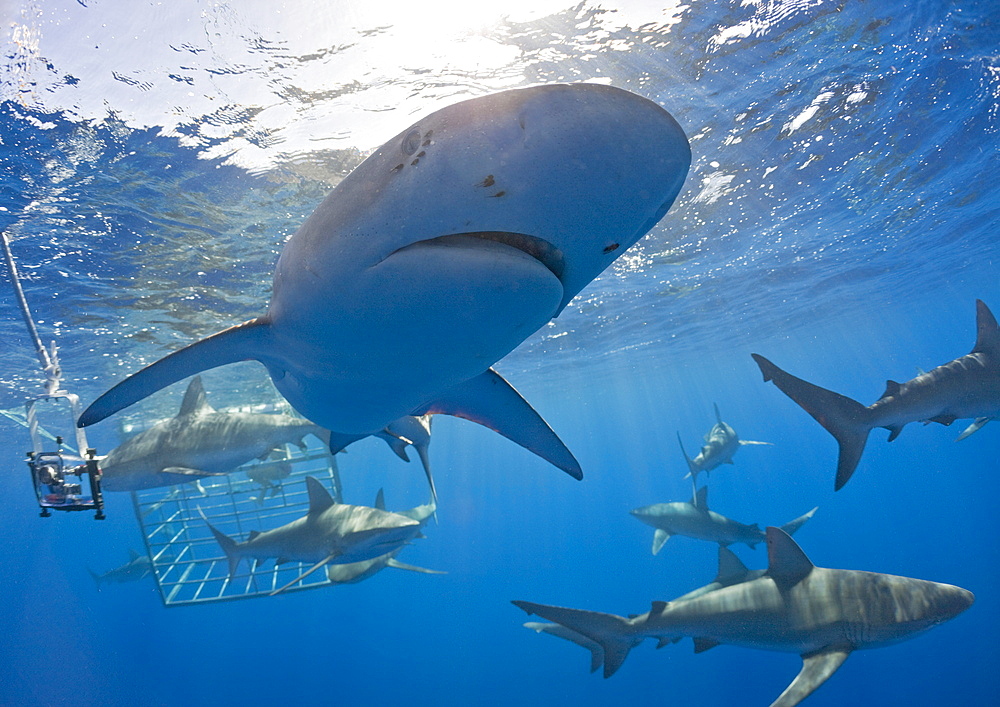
x=380 y=500
x=253 y=534
x=132 y=555
x=731 y=569
x=658 y=607
x=194 y=399
x=987 y=331
x=787 y=564
x=718 y=417
x=891 y=389
x=700 y=499
x=319 y=498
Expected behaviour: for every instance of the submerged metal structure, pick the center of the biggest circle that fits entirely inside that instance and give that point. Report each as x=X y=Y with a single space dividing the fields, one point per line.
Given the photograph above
x=189 y=566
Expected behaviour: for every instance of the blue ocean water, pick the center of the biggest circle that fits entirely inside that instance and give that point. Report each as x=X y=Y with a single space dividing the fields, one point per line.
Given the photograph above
x=839 y=218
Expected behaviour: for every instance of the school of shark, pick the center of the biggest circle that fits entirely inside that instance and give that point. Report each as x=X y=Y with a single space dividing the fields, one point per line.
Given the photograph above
x=547 y=186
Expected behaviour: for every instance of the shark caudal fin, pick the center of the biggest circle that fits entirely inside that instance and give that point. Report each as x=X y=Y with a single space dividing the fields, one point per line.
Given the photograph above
x=492 y=402
x=239 y=343
x=96 y=577
x=791 y=526
x=847 y=420
x=692 y=467
x=229 y=546
x=609 y=631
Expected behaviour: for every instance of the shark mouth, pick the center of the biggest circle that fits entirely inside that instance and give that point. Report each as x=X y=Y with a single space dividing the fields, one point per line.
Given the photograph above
x=537 y=248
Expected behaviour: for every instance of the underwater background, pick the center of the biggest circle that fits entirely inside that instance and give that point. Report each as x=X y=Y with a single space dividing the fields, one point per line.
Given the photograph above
x=840 y=217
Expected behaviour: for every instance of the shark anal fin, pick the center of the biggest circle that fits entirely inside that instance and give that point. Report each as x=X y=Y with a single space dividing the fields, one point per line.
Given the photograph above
x=894 y=431
x=489 y=400
x=239 y=343
x=660 y=537
x=973 y=428
x=703 y=644
x=816 y=669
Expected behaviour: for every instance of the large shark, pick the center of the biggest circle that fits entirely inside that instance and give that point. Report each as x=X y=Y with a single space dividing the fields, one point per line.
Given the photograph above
x=969 y=386
x=695 y=520
x=821 y=614
x=329 y=533
x=197 y=443
x=355 y=572
x=138 y=567
x=442 y=252
x=721 y=443
x=731 y=571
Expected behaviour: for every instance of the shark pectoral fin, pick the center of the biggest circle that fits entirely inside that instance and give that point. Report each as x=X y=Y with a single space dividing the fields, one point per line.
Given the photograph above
x=244 y=342
x=847 y=420
x=816 y=669
x=411 y=568
x=659 y=538
x=750 y=441
x=973 y=428
x=703 y=644
x=304 y=574
x=943 y=419
x=791 y=526
x=490 y=401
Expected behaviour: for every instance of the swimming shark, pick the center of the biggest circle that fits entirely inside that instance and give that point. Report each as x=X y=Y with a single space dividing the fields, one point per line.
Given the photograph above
x=694 y=520
x=968 y=386
x=199 y=442
x=359 y=571
x=329 y=533
x=721 y=443
x=795 y=607
x=138 y=567
x=415 y=431
x=441 y=253
x=731 y=571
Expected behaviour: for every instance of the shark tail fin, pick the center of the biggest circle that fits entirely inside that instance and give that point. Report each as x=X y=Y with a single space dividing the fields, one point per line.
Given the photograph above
x=847 y=420
x=692 y=467
x=609 y=631
x=238 y=343
x=229 y=546
x=96 y=577
x=791 y=526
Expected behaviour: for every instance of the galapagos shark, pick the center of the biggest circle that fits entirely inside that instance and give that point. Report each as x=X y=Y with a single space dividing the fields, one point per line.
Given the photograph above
x=359 y=571
x=795 y=607
x=330 y=532
x=199 y=442
x=415 y=431
x=695 y=521
x=731 y=571
x=442 y=252
x=138 y=567
x=721 y=443
x=968 y=386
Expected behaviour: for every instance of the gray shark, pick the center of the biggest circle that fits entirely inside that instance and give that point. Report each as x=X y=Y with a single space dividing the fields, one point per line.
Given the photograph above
x=821 y=614
x=199 y=442
x=329 y=533
x=721 y=443
x=442 y=252
x=138 y=567
x=359 y=571
x=695 y=521
x=969 y=386
x=731 y=571
x=415 y=431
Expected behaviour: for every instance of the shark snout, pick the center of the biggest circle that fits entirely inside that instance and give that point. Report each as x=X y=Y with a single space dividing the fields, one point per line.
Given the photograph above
x=954 y=601
x=646 y=514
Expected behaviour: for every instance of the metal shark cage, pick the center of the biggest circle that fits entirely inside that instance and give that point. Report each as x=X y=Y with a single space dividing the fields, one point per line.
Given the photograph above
x=188 y=564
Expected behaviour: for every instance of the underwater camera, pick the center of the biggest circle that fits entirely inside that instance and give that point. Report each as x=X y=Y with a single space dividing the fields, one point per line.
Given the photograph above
x=60 y=477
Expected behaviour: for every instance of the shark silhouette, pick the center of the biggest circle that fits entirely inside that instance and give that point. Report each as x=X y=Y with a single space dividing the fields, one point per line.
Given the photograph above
x=968 y=386
x=721 y=443
x=821 y=614
x=442 y=252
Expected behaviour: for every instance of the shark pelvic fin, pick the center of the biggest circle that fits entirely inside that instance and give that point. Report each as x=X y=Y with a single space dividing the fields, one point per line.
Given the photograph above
x=787 y=565
x=319 y=498
x=847 y=420
x=194 y=402
x=239 y=343
x=987 y=331
x=816 y=669
x=703 y=644
x=608 y=630
x=491 y=401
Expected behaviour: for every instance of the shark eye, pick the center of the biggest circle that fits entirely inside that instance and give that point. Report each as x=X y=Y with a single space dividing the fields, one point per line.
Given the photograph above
x=411 y=142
